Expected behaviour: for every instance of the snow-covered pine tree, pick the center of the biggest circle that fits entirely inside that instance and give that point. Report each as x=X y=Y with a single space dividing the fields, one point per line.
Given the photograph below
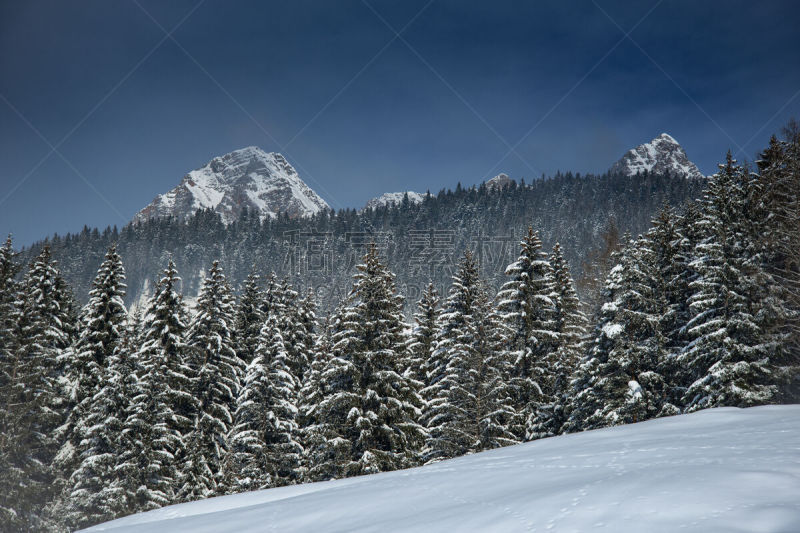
x=9 y=312
x=624 y=385
x=304 y=335
x=728 y=360
x=470 y=408
x=217 y=373
x=274 y=300
x=313 y=431
x=47 y=325
x=420 y=346
x=777 y=201
x=668 y=286
x=570 y=327
x=264 y=448
x=368 y=417
x=13 y=484
x=249 y=317
x=102 y=329
x=99 y=368
x=293 y=331
x=677 y=280
x=526 y=307
x=630 y=385
x=35 y=404
x=584 y=402
x=157 y=420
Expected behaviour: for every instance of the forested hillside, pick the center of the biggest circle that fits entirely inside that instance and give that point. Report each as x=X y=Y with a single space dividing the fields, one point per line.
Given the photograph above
x=107 y=412
x=422 y=241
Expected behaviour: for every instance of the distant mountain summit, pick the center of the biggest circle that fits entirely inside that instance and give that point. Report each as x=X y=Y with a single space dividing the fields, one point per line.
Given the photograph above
x=265 y=183
x=499 y=182
x=662 y=155
x=391 y=198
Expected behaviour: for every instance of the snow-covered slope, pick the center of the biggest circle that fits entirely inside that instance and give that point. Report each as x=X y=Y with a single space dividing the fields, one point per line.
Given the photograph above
x=661 y=155
x=250 y=177
x=720 y=470
x=388 y=198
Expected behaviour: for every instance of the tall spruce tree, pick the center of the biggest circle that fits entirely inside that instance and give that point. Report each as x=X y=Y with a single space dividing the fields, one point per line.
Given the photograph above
x=729 y=358
x=367 y=420
x=569 y=324
x=216 y=372
x=777 y=203
x=264 y=443
x=9 y=311
x=293 y=332
x=157 y=420
x=527 y=307
x=676 y=279
x=31 y=386
x=304 y=334
x=470 y=408
x=99 y=368
x=249 y=317
x=625 y=385
x=585 y=403
x=630 y=386
x=421 y=343
x=13 y=453
x=313 y=429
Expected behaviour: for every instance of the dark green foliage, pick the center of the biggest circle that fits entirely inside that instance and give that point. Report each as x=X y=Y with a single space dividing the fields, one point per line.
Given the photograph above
x=250 y=317
x=527 y=306
x=99 y=369
x=366 y=421
x=470 y=407
x=216 y=372
x=420 y=347
x=566 y=208
x=158 y=418
x=264 y=447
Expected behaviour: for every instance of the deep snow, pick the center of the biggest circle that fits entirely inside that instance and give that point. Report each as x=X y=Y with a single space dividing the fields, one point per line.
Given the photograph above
x=719 y=470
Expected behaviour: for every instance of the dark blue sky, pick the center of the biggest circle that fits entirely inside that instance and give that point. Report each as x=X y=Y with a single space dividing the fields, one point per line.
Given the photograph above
x=360 y=111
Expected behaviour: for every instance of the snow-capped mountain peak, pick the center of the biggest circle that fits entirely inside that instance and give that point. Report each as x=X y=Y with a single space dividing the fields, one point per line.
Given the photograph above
x=391 y=198
x=499 y=182
x=661 y=155
x=249 y=178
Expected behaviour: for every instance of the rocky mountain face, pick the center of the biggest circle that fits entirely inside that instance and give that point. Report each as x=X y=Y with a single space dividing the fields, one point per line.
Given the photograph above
x=662 y=155
x=392 y=198
x=500 y=181
x=264 y=183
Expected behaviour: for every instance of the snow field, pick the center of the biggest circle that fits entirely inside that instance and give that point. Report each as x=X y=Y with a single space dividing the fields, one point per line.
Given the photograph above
x=718 y=470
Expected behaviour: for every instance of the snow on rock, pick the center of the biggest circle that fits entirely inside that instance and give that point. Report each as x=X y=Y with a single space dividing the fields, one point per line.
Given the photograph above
x=661 y=155
x=391 y=198
x=499 y=182
x=719 y=470
x=263 y=182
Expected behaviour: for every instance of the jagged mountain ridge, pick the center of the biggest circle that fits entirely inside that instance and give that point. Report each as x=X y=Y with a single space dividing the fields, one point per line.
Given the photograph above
x=662 y=155
x=250 y=178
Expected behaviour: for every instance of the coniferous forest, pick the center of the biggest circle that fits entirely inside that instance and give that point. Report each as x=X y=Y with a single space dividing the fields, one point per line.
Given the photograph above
x=108 y=412
x=422 y=242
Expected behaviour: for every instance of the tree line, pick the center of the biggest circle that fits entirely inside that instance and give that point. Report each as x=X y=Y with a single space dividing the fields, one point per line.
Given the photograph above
x=107 y=413
x=423 y=242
